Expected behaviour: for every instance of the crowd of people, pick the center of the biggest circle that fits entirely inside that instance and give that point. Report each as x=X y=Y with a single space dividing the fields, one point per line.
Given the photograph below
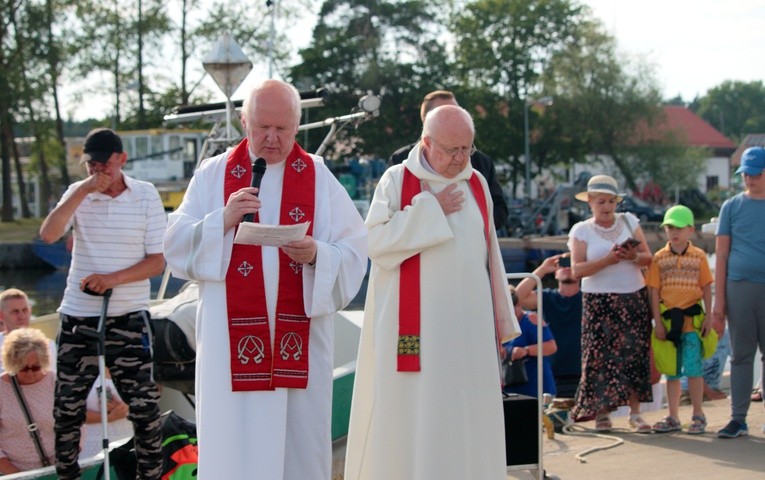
x=264 y=330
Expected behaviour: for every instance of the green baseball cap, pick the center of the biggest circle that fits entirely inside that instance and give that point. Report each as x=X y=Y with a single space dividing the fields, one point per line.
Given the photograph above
x=678 y=216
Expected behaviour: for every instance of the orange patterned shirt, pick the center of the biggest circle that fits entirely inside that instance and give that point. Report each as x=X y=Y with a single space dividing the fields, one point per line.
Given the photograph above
x=680 y=278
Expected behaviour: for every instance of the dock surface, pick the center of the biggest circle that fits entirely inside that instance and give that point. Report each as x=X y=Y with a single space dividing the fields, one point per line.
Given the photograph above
x=676 y=456
x=660 y=455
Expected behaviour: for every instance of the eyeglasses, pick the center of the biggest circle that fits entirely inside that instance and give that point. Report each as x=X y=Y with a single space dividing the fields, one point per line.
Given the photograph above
x=453 y=152
x=31 y=368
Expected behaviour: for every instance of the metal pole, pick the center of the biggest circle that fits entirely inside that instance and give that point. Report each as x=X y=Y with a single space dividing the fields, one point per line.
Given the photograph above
x=271 y=35
x=528 y=155
x=540 y=366
x=228 y=121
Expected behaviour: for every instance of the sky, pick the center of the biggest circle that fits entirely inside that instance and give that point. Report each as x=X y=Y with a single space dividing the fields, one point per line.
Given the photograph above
x=694 y=45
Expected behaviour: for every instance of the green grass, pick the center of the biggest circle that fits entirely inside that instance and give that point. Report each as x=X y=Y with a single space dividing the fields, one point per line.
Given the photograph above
x=20 y=230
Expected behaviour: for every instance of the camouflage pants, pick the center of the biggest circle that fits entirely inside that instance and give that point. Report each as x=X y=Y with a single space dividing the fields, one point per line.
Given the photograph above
x=128 y=357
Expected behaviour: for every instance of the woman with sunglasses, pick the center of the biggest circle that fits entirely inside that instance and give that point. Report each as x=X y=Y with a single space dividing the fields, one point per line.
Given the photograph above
x=26 y=357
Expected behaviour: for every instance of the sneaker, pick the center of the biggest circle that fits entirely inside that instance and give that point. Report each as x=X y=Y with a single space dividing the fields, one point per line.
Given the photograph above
x=733 y=429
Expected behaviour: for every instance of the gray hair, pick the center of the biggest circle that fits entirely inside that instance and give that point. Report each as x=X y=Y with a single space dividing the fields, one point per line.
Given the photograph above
x=20 y=343
x=271 y=83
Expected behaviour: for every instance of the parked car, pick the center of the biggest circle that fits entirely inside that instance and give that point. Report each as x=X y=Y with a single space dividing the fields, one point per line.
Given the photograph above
x=641 y=209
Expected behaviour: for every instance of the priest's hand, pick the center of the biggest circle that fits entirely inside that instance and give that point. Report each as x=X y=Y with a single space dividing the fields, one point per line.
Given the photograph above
x=449 y=198
x=301 y=251
x=239 y=204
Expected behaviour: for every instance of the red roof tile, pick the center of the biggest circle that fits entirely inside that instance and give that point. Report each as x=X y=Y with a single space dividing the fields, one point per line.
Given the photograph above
x=696 y=131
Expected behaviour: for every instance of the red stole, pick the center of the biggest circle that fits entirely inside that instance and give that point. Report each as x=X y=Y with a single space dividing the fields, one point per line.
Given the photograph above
x=409 y=278
x=253 y=364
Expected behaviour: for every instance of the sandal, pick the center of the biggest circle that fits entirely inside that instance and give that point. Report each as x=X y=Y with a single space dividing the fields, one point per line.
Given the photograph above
x=640 y=425
x=603 y=423
x=756 y=395
x=698 y=425
x=668 y=424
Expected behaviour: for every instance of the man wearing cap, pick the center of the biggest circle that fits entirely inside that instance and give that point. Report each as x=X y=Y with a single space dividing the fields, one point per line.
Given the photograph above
x=117 y=223
x=740 y=283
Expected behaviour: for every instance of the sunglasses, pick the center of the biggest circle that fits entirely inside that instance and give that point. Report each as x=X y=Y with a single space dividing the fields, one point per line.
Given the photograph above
x=31 y=368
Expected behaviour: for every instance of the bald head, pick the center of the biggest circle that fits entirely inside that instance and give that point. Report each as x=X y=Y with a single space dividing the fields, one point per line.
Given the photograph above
x=447 y=139
x=270 y=116
x=445 y=119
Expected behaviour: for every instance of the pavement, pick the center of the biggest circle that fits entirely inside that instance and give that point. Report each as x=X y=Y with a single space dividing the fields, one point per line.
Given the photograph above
x=658 y=455
x=647 y=456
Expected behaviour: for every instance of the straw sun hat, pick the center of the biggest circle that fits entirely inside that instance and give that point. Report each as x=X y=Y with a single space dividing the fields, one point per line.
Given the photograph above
x=600 y=184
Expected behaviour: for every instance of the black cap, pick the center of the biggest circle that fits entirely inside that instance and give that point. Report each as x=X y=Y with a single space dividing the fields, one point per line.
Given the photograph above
x=100 y=144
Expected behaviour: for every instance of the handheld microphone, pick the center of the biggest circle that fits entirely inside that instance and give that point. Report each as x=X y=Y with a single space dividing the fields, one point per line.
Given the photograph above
x=258 y=169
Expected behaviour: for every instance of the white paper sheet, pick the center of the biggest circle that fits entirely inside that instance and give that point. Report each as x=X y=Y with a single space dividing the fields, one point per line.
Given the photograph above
x=250 y=233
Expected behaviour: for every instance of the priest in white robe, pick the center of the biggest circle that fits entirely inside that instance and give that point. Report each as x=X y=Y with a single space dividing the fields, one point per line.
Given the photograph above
x=263 y=407
x=427 y=395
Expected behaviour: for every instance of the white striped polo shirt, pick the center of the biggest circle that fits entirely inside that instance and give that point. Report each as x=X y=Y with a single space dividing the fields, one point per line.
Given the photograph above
x=112 y=234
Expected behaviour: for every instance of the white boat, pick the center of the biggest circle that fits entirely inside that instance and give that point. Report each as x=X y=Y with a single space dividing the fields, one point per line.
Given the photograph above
x=347 y=335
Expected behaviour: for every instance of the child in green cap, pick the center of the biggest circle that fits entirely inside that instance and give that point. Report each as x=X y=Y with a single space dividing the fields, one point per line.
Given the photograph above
x=678 y=280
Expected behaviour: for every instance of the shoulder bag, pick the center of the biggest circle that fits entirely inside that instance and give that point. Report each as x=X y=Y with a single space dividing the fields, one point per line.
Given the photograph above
x=31 y=425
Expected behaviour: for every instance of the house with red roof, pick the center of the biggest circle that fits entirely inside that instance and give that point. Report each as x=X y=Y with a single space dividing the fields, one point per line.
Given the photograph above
x=698 y=133
x=751 y=140
x=694 y=132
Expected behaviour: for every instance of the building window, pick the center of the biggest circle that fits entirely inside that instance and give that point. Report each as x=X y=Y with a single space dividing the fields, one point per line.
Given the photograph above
x=174 y=147
x=713 y=181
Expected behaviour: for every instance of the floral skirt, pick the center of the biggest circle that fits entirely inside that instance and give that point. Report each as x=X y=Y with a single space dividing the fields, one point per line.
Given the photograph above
x=616 y=329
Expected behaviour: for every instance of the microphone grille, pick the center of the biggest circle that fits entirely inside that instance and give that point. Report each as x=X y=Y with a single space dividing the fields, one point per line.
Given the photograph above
x=259 y=166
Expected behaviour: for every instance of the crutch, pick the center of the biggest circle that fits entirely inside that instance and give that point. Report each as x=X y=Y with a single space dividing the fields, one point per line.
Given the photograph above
x=101 y=335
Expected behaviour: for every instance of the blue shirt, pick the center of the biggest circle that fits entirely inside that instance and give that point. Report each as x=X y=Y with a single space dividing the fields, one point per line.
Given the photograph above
x=564 y=317
x=743 y=219
x=529 y=337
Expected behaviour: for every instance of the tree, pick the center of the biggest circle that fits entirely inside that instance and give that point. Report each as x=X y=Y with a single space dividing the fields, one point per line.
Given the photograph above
x=111 y=37
x=54 y=57
x=375 y=46
x=601 y=103
x=735 y=108
x=503 y=48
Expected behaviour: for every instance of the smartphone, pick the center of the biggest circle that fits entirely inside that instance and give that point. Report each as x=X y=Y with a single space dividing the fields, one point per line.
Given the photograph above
x=630 y=241
x=564 y=262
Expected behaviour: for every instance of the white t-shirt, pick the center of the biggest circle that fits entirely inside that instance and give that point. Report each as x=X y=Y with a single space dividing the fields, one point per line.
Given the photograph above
x=117 y=430
x=623 y=277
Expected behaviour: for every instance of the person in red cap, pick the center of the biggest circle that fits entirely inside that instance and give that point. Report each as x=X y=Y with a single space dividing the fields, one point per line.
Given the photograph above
x=118 y=223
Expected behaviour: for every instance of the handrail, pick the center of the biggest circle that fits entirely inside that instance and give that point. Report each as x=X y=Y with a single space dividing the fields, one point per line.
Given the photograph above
x=540 y=358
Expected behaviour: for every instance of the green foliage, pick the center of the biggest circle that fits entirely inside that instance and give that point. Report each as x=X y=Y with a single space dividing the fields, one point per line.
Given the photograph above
x=735 y=108
x=383 y=47
x=602 y=102
x=494 y=54
x=505 y=45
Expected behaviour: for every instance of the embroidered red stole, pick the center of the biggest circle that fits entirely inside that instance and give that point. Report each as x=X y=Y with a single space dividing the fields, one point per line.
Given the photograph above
x=253 y=364
x=409 y=310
